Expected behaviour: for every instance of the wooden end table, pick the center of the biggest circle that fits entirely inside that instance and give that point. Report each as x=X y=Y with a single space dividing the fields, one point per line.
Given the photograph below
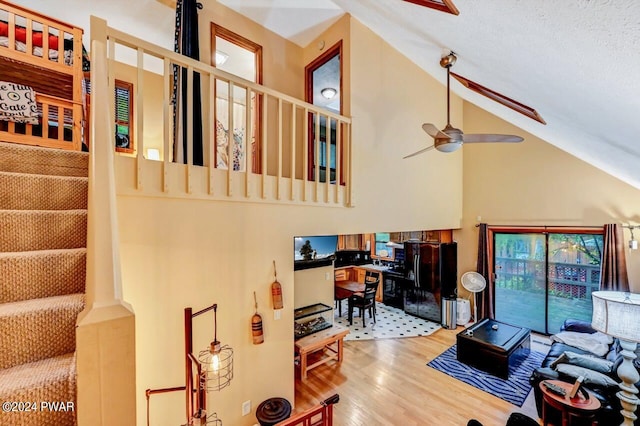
x=570 y=408
x=329 y=341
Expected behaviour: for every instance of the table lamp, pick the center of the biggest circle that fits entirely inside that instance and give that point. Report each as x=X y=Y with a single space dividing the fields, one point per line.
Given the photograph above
x=617 y=314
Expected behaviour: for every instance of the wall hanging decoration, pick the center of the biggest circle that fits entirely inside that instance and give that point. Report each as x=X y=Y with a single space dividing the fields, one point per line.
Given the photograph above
x=256 y=324
x=276 y=290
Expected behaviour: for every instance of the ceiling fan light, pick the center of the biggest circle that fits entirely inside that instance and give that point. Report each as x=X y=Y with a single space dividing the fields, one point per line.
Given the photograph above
x=449 y=146
x=328 y=92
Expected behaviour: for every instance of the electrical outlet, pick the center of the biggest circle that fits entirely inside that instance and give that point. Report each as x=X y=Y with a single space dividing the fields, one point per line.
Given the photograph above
x=246 y=408
x=327 y=276
x=277 y=314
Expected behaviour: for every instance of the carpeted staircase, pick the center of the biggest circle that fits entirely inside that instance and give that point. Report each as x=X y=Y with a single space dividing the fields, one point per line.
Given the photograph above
x=43 y=232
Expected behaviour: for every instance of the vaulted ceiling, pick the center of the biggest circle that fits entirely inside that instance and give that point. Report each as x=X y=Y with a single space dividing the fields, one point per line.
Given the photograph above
x=575 y=61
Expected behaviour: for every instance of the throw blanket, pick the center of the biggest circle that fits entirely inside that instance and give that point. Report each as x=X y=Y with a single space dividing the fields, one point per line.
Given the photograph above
x=18 y=103
x=596 y=343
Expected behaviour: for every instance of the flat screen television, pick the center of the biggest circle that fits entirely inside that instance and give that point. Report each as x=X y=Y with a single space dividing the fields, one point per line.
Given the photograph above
x=314 y=251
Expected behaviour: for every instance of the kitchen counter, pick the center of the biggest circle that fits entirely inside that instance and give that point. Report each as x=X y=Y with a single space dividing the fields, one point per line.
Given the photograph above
x=369 y=266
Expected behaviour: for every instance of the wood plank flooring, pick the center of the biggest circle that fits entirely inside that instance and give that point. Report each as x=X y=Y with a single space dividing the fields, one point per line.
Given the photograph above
x=387 y=382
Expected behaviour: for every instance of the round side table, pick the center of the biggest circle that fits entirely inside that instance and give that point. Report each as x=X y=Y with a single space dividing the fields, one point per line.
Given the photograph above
x=579 y=407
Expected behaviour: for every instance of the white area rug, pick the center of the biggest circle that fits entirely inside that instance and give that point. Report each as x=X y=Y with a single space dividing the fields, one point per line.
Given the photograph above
x=391 y=323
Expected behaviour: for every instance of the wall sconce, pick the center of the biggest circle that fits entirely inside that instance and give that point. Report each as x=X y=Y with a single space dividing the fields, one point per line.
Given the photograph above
x=633 y=243
x=328 y=92
x=213 y=371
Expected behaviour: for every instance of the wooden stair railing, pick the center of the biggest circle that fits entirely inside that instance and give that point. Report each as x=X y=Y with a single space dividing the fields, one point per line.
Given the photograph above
x=319 y=415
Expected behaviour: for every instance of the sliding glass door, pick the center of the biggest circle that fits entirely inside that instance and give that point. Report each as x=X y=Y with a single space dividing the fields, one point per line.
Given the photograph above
x=542 y=278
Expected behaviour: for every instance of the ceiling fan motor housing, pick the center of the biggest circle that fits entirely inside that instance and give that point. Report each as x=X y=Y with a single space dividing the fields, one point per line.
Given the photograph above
x=452 y=143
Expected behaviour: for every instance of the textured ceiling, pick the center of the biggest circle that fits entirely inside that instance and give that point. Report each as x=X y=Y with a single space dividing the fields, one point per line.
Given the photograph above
x=573 y=60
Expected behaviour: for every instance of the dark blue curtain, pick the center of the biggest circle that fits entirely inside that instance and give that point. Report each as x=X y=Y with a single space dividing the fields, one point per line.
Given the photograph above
x=187 y=43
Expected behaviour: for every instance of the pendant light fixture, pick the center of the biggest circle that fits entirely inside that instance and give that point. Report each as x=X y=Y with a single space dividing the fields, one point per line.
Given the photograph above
x=216 y=360
x=213 y=371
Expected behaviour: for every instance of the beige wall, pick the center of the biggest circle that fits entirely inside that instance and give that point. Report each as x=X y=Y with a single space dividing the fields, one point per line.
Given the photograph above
x=313 y=285
x=178 y=252
x=535 y=183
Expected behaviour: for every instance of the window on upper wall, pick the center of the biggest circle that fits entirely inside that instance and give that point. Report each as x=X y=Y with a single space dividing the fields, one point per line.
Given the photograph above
x=124 y=116
x=381 y=249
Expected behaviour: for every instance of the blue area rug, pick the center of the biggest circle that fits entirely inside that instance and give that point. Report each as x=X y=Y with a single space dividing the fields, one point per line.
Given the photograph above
x=514 y=390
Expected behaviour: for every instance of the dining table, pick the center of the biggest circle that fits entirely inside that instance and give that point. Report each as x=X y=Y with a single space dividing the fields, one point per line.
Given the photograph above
x=350 y=286
x=344 y=290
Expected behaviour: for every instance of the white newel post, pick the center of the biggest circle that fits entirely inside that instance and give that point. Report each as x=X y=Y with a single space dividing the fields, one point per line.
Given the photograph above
x=105 y=334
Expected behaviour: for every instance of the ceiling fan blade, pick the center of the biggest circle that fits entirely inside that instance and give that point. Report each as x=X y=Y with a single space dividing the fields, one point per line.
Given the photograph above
x=479 y=138
x=433 y=131
x=419 y=152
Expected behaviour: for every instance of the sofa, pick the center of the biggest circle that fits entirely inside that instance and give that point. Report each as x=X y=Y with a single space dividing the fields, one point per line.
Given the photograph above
x=566 y=362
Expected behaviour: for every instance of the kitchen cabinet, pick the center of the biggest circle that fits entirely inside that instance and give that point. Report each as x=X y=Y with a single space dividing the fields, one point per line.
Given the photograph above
x=435 y=236
x=350 y=242
x=345 y=274
x=360 y=274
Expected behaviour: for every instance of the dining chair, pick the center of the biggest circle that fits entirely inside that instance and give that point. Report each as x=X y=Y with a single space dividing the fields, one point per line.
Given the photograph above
x=364 y=301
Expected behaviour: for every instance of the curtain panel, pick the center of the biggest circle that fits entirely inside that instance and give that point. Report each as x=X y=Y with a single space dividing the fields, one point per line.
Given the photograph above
x=485 y=299
x=613 y=271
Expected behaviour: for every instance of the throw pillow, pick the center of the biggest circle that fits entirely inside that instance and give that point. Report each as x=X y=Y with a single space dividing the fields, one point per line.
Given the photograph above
x=587 y=361
x=590 y=376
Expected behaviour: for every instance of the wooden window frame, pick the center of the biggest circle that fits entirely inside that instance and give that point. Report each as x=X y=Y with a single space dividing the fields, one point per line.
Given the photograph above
x=523 y=109
x=334 y=50
x=245 y=43
x=120 y=84
x=446 y=6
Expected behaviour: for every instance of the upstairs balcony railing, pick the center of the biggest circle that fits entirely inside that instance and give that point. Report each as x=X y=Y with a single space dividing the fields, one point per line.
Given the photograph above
x=259 y=145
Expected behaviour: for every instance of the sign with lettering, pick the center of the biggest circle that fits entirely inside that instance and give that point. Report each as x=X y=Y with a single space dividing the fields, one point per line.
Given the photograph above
x=18 y=103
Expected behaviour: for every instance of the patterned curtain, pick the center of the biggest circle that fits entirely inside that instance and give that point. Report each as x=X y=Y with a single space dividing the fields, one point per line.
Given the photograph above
x=485 y=298
x=187 y=43
x=613 y=271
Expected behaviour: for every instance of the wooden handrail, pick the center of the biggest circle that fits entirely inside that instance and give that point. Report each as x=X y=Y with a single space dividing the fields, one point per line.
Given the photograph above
x=307 y=418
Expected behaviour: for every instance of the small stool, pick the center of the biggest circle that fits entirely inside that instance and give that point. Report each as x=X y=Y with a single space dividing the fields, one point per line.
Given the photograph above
x=273 y=411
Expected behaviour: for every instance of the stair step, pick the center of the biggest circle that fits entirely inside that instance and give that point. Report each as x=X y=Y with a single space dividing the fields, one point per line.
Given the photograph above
x=46 y=161
x=35 y=329
x=48 y=380
x=26 y=230
x=20 y=191
x=44 y=273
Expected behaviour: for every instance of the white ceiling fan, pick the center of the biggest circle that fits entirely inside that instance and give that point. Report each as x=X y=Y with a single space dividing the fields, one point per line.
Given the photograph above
x=450 y=139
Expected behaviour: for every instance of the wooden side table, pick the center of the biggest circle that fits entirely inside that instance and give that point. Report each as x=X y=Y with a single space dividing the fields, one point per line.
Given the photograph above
x=569 y=408
x=329 y=341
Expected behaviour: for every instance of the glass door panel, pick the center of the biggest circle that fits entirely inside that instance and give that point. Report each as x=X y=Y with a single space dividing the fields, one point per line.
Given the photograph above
x=573 y=273
x=520 y=280
x=544 y=278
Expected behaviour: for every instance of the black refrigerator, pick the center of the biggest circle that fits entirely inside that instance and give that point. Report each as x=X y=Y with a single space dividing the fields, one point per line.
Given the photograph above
x=431 y=275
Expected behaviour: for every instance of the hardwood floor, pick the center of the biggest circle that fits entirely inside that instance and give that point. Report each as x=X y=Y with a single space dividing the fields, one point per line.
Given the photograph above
x=387 y=382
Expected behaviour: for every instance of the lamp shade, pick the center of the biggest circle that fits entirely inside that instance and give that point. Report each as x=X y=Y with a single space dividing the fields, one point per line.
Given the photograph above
x=617 y=314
